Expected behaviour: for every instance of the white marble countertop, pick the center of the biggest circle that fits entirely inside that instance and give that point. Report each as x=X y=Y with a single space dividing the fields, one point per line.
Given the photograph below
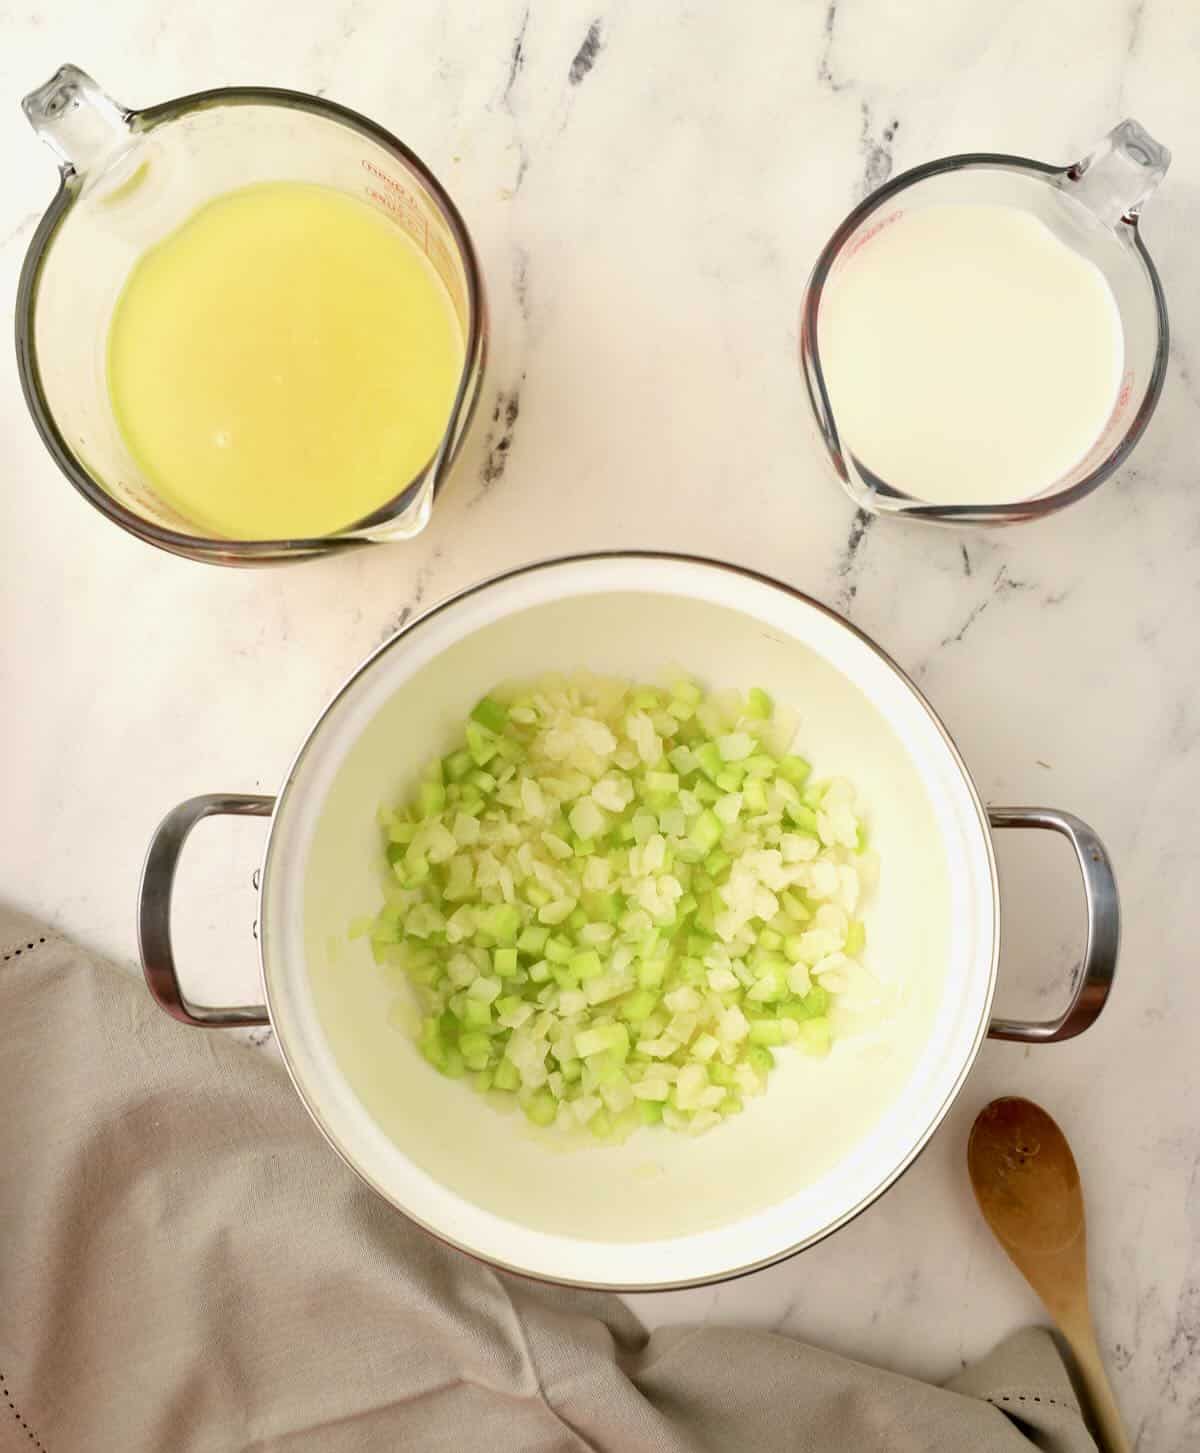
x=648 y=186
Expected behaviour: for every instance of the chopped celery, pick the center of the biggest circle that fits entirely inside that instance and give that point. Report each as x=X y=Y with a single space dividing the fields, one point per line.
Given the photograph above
x=565 y=976
x=735 y=747
x=507 y=1077
x=431 y=798
x=481 y=744
x=536 y=894
x=651 y=973
x=430 y=1043
x=541 y=1107
x=533 y=939
x=558 y=950
x=685 y=690
x=502 y=923
x=760 y=765
x=457 y=765
x=475 y=1048
x=754 y=795
x=666 y=782
x=639 y=1006
x=476 y=1014
x=490 y=714
x=812 y=1005
x=586 y=965
x=611 y=899
x=596 y=1041
x=705 y=833
x=708 y=757
x=603 y=907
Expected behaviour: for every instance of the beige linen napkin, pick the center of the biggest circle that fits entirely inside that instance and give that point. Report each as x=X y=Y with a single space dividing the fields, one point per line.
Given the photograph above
x=185 y=1267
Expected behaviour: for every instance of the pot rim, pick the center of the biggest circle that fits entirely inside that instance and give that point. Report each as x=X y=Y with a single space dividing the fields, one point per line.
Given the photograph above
x=676 y=558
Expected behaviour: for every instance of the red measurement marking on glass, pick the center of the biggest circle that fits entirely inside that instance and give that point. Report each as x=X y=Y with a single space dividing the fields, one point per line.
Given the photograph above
x=873 y=232
x=1104 y=444
x=1119 y=407
x=400 y=202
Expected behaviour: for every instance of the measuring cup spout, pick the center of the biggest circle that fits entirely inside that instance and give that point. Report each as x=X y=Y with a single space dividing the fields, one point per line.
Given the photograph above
x=81 y=124
x=414 y=519
x=1119 y=173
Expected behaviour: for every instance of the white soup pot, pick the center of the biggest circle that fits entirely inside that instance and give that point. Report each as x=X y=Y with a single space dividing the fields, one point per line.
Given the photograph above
x=662 y=1210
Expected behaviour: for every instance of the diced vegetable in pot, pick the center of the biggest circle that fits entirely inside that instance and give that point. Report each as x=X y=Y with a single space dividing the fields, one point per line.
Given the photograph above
x=619 y=903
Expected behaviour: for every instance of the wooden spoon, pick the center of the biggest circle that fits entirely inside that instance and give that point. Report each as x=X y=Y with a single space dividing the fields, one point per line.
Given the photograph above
x=1027 y=1185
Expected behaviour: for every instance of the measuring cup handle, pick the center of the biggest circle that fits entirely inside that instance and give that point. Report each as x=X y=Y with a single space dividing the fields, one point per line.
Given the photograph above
x=154 y=908
x=1094 y=976
x=83 y=125
x=1118 y=174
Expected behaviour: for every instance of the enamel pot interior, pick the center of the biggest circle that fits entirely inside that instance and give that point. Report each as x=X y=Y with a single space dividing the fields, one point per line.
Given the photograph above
x=662 y=1209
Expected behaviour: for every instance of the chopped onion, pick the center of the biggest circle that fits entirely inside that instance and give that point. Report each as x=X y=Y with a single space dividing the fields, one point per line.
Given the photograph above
x=615 y=902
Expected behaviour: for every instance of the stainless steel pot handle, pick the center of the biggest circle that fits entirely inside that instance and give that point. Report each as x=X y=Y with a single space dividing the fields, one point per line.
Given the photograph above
x=1094 y=976
x=154 y=908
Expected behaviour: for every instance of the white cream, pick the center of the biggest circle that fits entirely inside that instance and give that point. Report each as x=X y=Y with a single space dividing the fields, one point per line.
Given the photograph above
x=970 y=355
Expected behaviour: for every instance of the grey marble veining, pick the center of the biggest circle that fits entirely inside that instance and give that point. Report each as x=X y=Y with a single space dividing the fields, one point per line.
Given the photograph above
x=648 y=186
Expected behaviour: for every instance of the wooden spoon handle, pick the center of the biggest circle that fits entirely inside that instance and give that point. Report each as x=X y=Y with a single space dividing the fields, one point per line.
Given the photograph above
x=1099 y=1392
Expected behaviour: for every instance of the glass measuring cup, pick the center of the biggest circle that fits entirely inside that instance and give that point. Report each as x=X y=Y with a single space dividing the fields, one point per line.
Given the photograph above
x=1092 y=205
x=129 y=178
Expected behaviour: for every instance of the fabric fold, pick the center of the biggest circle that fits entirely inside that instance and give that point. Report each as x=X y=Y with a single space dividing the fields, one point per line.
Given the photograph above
x=185 y=1267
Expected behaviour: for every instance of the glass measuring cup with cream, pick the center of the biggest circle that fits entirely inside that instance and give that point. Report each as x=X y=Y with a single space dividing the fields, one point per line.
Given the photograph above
x=984 y=339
